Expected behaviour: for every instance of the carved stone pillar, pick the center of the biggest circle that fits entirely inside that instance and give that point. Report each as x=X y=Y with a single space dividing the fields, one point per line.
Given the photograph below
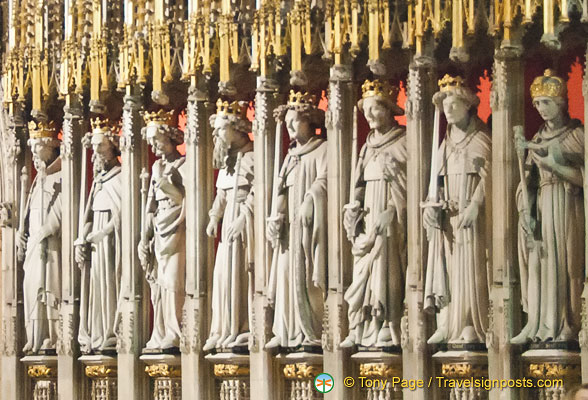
x=167 y=378
x=197 y=382
x=232 y=382
x=339 y=121
x=101 y=373
x=12 y=372
x=419 y=125
x=584 y=330
x=131 y=328
x=67 y=346
x=300 y=381
x=378 y=380
x=264 y=375
x=550 y=373
x=507 y=101
x=458 y=380
x=42 y=372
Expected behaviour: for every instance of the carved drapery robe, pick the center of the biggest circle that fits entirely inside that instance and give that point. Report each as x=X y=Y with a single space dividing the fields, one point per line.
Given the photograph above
x=298 y=278
x=42 y=264
x=376 y=293
x=552 y=259
x=457 y=269
x=169 y=250
x=234 y=258
x=97 y=321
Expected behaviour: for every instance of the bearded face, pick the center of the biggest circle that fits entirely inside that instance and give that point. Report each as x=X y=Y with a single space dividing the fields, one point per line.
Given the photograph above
x=43 y=153
x=224 y=135
x=103 y=153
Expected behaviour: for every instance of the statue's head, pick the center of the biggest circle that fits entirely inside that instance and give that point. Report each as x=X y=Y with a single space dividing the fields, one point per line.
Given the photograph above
x=549 y=94
x=104 y=140
x=230 y=130
x=301 y=116
x=379 y=104
x=160 y=133
x=455 y=100
x=44 y=143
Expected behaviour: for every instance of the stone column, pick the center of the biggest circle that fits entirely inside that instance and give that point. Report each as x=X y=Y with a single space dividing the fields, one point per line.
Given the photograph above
x=132 y=326
x=507 y=101
x=584 y=331
x=339 y=121
x=419 y=125
x=264 y=376
x=70 y=375
x=197 y=382
x=13 y=142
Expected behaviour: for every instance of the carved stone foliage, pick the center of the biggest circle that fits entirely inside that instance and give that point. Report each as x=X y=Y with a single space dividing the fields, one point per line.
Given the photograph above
x=41 y=371
x=230 y=370
x=553 y=371
x=464 y=370
x=65 y=339
x=124 y=337
x=163 y=371
x=190 y=341
x=379 y=370
x=327 y=335
x=100 y=371
x=301 y=371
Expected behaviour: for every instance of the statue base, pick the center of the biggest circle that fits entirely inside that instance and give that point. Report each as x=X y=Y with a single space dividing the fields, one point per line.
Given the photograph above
x=299 y=370
x=461 y=374
x=231 y=371
x=166 y=374
x=42 y=369
x=552 y=372
x=377 y=370
x=101 y=371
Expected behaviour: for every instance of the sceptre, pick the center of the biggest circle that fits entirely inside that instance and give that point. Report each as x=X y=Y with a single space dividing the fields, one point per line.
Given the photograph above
x=24 y=180
x=144 y=189
x=276 y=177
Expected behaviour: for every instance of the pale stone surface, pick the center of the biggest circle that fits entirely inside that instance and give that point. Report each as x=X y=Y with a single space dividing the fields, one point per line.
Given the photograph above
x=297 y=229
x=455 y=219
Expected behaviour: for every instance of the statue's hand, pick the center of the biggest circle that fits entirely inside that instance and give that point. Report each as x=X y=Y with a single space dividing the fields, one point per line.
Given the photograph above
x=212 y=227
x=144 y=251
x=236 y=228
x=96 y=237
x=547 y=162
x=81 y=253
x=306 y=211
x=350 y=215
x=525 y=221
x=274 y=229
x=519 y=140
x=21 y=244
x=469 y=216
x=432 y=217
x=384 y=221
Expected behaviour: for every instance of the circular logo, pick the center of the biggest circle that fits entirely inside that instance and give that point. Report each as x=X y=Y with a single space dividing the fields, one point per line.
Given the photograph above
x=324 y=383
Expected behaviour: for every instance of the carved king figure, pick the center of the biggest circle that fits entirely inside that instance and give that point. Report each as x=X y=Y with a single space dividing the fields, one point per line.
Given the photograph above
x=455 y=217
x=297 y=228
x=375 y=220
x=231 y=285
x=100 y=242
x=550 y=200
x=39 y=241
x=162 y=250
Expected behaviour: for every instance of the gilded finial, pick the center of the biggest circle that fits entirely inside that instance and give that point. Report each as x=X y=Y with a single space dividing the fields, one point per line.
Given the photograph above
x=42 y=130
x=379 y=88
x=231 y=109
x=160 y=117
x=548 y=85
x=450 y=82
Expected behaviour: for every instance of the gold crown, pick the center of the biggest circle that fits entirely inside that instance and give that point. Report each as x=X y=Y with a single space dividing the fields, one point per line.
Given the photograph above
x=450 y=82
x=548 y=85
x=160 y=117
x=42 y=130
x=103 y=125
x=300 y=99
x=377 y=88
x=231 y=108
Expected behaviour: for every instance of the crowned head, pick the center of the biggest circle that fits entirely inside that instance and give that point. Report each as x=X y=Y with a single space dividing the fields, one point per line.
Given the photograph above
x=549 y=94
x=382 y=92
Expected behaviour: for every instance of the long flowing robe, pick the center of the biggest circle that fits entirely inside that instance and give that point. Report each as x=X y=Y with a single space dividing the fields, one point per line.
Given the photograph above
x=234 y=258
x=457 y=269
x=376 y=294
x=552 y=263
x=299 y=264
x=169 y=245
x=42 y=264
x=103 y=277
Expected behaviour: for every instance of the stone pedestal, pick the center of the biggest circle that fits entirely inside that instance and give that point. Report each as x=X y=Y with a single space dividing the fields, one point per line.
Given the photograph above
x=101 y=374
x=231 y=372
x=552 y=372
x=377 y=371
x=166 y=375
x=42 y=370
x=299 y=371
x=460 y=374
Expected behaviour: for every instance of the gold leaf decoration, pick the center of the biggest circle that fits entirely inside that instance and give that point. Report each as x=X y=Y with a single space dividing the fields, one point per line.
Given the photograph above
x=301 y=371
x=100 y=371
x=41 y=371
x=230 y=370
x=163 y=371
x=379 y=370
